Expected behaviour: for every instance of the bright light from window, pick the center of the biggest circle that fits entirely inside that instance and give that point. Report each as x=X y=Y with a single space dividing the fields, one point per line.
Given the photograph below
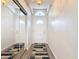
x=39 y=13
x=39 y=22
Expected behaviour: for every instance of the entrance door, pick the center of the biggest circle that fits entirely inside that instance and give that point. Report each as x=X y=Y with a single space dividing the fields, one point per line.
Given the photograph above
x=39 y=26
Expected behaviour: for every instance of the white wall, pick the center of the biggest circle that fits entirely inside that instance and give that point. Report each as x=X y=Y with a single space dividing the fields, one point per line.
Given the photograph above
x=23 y=30
x=63 y=34
x=7 y=27
x=29 y=31
x=20 y=29
x=13 y=28
x=39 y=29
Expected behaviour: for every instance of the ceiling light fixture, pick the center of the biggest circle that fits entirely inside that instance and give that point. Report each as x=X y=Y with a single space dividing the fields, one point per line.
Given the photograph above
x=5 y=1
x=39 y=2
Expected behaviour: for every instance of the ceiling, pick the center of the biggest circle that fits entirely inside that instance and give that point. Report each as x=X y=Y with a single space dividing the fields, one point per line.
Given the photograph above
x=46 y=4
x=53 y=7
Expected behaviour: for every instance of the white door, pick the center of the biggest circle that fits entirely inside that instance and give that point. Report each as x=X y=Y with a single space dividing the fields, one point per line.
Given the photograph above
x=39 y=26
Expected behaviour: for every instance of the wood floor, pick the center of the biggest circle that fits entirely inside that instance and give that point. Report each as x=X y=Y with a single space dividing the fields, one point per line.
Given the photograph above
x=36 y=51
x=27 y=54
x=24 y=55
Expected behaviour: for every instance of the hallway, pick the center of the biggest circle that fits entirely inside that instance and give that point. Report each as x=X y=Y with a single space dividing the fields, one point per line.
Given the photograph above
x=39 y=29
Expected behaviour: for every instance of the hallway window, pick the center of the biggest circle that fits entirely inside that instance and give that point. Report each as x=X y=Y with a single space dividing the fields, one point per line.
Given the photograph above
x=39 y=13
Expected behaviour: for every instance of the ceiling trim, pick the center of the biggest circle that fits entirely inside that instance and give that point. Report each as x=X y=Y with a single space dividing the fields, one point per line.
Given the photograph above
x=28 y=6
x=50 y=6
